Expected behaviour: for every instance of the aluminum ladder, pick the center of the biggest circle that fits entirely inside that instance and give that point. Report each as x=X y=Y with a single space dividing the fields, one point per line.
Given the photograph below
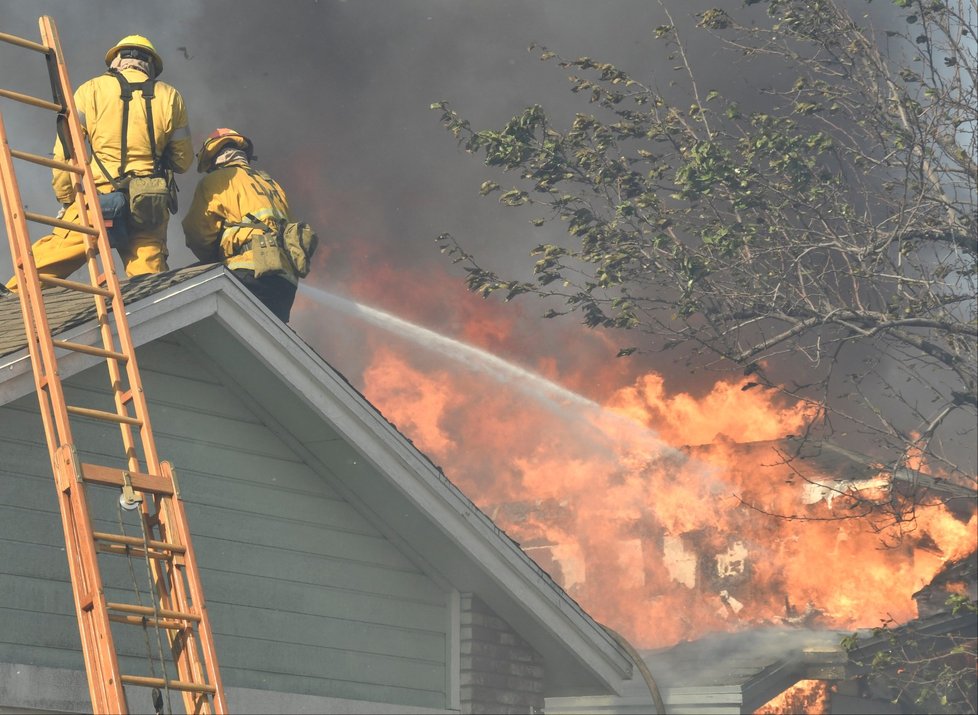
x=147 y=484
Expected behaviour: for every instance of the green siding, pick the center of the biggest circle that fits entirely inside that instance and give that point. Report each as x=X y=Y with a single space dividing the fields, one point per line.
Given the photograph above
x=305 y=595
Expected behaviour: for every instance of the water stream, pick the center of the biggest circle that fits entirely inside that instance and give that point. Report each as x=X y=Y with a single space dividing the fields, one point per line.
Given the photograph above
x=545 y=391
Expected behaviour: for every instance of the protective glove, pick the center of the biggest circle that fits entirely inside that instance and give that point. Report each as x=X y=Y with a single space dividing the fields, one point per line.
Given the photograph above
x=64 y=209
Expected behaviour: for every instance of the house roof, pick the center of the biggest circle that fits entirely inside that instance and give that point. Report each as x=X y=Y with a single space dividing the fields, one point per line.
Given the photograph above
x=754 y=665
x=411 y=499
x=723 y=672
x=66 y=308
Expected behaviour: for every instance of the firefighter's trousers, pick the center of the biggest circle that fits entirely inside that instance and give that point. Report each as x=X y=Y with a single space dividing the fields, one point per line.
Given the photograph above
x=61 y=253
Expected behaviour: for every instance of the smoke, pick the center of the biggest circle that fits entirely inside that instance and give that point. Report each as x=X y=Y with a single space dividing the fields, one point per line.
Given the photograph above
x=710 y=657
x=336 y=97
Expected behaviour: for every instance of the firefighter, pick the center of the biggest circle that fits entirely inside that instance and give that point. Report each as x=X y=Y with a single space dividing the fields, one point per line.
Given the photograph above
x=139 y=136
x=239 y=216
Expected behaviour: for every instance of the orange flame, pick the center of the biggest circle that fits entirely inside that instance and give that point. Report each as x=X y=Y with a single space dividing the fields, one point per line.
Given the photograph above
x=812 y=697
x=666 y=515
x=728 y=410
x=666 y=543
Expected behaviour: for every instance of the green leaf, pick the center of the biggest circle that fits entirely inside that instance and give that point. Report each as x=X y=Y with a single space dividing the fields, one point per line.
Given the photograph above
x=514 y=197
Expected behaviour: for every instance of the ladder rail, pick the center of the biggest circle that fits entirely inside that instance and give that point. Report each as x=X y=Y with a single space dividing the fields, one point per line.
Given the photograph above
x=96 y=635
x=176 y=518
x=92 y=215
x=56 y=427
x=97 y=647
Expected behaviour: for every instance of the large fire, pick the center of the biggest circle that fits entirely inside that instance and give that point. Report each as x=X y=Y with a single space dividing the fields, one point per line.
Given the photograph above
x=666 y=515
x=602 y=501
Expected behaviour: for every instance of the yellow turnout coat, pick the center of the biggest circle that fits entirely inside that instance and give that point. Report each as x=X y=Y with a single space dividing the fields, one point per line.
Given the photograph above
x=227 y=195
x=100 y=109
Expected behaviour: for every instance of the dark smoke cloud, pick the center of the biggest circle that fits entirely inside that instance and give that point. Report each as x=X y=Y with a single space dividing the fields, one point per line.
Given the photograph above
x=336 y=97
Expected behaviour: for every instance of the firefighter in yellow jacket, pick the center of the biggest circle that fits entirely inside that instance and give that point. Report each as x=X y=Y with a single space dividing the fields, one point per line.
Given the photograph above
x=146 y=136
x=235 y=206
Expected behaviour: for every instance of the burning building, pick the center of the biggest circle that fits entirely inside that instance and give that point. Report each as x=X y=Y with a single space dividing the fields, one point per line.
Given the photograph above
x=749 y=568
x=667 y=544
x=746 y=630
x=675 y=518
x=326 y=539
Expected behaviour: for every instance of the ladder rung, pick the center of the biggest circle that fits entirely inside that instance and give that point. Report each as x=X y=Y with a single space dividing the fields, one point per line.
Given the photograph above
x=171 y=684
x=44 y=161
x=137 y=541
x=49 y=221
x=111 y=477
x=106 y=416
x=148 y=611
x=90 y=350
x=152 y=622
x=28 y=99
x=127 y=550
x=27 y=44
x=75 y=285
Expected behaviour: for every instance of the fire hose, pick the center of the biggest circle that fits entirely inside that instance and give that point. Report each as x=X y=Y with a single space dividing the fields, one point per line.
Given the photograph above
x=660 y=706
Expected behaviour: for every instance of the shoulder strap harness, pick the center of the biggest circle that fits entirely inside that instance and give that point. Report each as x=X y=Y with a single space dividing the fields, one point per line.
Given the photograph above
x=126 y=87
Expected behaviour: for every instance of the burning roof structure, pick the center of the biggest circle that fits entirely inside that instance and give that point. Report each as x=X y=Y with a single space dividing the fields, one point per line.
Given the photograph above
x=727 y=536
x=672 y=516
x=780 y=634
x=669 y=515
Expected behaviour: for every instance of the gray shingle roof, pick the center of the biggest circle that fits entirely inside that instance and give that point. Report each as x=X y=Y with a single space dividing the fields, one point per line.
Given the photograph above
x=67 y=308
x=734 y=659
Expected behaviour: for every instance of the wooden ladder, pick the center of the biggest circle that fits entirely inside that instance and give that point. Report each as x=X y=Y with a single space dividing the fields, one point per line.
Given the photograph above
x=146 y=484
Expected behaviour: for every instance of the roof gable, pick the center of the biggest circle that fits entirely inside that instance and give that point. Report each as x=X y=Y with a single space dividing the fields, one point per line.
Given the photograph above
x=311 y=404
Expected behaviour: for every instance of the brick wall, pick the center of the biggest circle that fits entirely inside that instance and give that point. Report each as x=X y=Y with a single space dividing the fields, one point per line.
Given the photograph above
x=501 y=674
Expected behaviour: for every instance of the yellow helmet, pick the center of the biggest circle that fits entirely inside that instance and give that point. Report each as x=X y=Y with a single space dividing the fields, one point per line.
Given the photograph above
x=218 y=139
x=136 y=42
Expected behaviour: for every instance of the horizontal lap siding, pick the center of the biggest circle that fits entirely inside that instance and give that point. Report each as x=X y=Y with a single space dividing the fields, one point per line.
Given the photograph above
x=305 y=595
